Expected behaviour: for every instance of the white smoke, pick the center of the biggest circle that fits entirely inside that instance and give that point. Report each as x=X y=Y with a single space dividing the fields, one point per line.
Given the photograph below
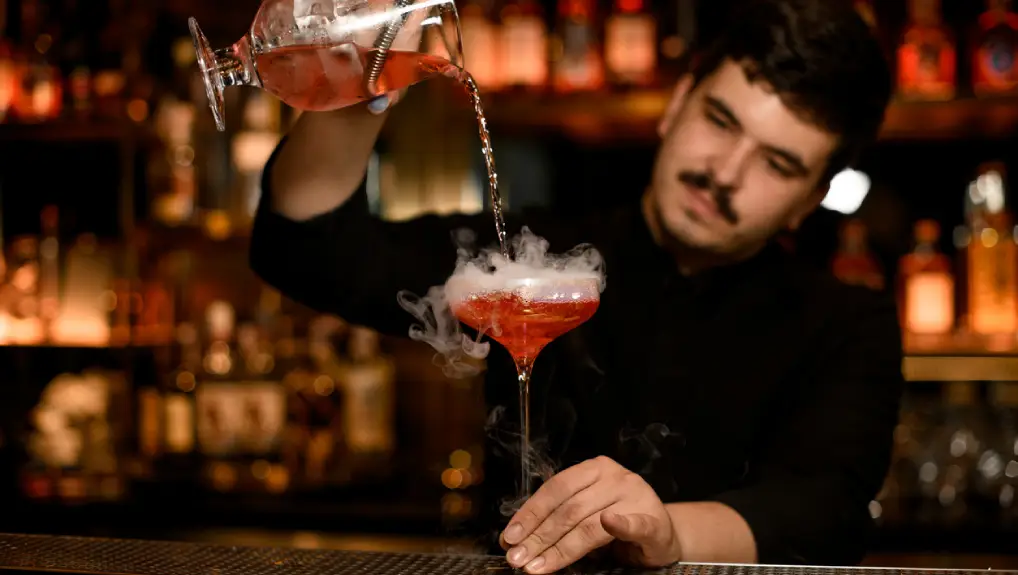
x=539 y=464
x=530 y=270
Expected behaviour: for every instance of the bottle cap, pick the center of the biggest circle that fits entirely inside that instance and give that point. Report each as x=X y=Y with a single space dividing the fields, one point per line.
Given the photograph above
x=853 y=230
x=927 y=231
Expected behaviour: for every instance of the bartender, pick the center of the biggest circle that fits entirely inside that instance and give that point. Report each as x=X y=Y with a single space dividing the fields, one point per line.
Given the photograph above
x=727 y=402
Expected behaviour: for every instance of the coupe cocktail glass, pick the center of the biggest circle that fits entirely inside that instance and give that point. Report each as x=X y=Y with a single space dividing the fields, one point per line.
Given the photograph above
x=319 y=55
x=524 y=315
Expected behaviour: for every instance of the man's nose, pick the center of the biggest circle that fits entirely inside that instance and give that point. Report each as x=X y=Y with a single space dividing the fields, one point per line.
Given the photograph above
x=732 y=162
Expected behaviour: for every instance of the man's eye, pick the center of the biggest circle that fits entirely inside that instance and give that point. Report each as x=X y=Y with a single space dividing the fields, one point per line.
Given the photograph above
x=779 y=168
x=717 y=120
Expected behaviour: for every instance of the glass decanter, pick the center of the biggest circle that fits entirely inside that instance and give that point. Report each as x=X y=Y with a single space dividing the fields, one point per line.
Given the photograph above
x=318 y=55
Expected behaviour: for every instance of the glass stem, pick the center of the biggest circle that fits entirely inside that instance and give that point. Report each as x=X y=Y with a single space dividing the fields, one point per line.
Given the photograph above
x=523 y=369
x=236 y=65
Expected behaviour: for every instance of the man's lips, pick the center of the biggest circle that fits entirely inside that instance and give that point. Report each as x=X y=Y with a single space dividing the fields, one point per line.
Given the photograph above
x=702 y=203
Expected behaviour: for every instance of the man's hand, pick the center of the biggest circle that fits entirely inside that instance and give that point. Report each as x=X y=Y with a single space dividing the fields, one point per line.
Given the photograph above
x=587 y=507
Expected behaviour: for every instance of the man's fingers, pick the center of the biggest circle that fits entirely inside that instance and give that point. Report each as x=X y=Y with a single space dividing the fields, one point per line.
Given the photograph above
x=584 y=538
x=574 y=511
x=557 y=490
x=587 y=503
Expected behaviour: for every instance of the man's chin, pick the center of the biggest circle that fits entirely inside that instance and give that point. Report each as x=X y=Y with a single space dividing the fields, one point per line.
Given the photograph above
x=692 y=233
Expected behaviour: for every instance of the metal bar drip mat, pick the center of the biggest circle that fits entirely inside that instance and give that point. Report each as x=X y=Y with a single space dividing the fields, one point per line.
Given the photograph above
x=42 y=553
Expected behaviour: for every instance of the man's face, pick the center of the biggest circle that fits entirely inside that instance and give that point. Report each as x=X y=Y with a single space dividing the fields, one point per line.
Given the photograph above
x=735 y=165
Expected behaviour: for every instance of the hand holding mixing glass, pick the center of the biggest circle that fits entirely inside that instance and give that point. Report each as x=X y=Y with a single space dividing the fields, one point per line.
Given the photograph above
x=320 y=55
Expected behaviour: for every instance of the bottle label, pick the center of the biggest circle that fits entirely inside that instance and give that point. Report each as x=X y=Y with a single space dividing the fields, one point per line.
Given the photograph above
x=524 y=50
x=630 y=48
x=367 y=400
x=926 y=65
x=244 y=417
x=929 y=303
x=179 y=423
x=995 y=60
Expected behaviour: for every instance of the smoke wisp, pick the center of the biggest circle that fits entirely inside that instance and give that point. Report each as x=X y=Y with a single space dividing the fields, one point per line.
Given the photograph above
x=541 y=467
x=485 y=271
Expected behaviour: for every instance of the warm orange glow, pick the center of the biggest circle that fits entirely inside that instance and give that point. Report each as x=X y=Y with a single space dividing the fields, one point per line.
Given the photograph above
x=137 y=110
x=460 y=459
x=186 y=381
x=452 y=478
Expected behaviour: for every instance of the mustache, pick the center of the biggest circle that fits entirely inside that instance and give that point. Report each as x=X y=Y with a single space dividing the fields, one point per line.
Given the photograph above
x=721 y=193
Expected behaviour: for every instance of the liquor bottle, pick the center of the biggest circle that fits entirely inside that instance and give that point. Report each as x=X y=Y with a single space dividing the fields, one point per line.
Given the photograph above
x=523 y=50
x=577 y=56
x=482 y=43
x=367 y=382
x=84 y=316
x=156 y=315
x=992 y=275
x=49 y=268
x=264 y=415
x=39 y=97
x=630 y=44
x=251 y=149
x=178 y=402
x=927 y=284
x=175 y=203
x=218 y=397
x=74 y=44
x=926 y=56
x=9 y=82
x=994 y=50
x=324 y=459
x=26 y=327
x=853 y=263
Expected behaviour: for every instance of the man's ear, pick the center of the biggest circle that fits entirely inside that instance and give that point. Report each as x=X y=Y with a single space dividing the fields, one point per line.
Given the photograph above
x=808 y=206
x=682 y=89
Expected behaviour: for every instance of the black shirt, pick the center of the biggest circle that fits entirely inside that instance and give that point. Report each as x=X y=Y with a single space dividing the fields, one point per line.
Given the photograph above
x=766 y=385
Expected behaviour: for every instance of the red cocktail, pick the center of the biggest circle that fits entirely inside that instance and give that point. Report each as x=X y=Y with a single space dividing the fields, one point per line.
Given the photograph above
x=524 y=315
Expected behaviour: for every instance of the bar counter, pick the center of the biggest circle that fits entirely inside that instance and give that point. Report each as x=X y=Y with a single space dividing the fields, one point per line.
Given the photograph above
x=61 y=554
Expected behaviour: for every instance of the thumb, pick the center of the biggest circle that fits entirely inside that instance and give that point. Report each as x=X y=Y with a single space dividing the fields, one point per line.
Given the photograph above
x=632 y=528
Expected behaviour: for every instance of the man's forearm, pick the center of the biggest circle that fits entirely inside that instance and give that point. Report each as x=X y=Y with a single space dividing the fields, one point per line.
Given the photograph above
x=711 y=532
x=323 y=161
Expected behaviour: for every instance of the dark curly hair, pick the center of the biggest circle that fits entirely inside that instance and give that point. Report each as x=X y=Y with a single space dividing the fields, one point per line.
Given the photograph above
x=821 y=58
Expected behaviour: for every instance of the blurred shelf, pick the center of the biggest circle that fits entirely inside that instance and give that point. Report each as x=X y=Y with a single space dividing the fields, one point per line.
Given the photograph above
x=606 y=116
x=79 y=131
x=961 y=118
x=960 y=368
x=960 y=357
x=634 y=115
x=588 y=116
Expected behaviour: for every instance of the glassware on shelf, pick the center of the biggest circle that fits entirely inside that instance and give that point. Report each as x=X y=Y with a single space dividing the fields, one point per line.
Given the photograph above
x=318 y=55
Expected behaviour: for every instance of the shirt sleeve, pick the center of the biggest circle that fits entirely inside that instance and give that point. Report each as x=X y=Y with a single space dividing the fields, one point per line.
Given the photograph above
x=352 y=264
x=829 y=453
